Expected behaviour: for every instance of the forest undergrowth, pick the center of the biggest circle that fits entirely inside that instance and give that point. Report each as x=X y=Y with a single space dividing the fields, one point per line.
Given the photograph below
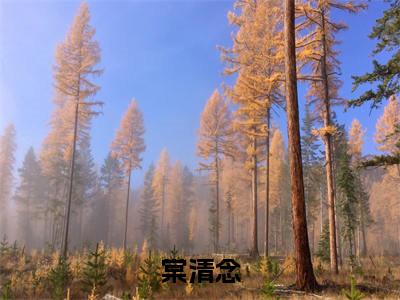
x=112 y=273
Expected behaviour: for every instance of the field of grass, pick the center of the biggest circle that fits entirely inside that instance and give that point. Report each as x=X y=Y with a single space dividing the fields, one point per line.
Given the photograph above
x=114 y=274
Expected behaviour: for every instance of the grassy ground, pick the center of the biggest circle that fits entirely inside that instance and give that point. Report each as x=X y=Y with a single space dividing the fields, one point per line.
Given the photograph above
x=38 y=276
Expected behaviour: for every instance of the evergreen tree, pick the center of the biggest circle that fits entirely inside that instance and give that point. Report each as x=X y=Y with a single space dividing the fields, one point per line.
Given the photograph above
x=323 y=244
x=95 y=272
x=384 y=77
x=59 y=277
x=356 y=135
x=28 y=196
x=348 y=202
x=111 y=180
x=179 y=205
x=160 y=186
x=312 y=168
x=148 y=210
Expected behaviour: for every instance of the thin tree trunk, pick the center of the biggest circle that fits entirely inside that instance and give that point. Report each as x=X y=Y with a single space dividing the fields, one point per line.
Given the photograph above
x=364 y=238
x=305 y=274
x=339 y=242
x=234 y=238
x=109 y=215
x=217 y=200
x=277 y=231
x=280 y=244
x=71 y=180
x=328 y=155
x=229 y=228
x=321 y=210
x=162 y=206
x=127 y=209
x=358 y=244
x=45 y=229
x=254 y=230
x=266 y=246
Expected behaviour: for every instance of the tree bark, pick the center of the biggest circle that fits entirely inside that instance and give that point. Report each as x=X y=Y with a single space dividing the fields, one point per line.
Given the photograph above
x=328 y=155
x=305 y=274
x=127 y=209
x=266 y=245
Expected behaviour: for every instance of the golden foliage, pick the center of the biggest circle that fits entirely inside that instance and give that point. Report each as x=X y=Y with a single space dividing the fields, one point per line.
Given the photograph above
x=324 y=131
x=356 y=135
x=385 y=134
x=128 y=143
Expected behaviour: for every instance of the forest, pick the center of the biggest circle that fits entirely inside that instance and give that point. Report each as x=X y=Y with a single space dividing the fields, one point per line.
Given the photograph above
x=281 y=183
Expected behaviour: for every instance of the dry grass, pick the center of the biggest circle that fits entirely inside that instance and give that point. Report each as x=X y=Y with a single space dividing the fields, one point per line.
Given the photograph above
x=26 y=276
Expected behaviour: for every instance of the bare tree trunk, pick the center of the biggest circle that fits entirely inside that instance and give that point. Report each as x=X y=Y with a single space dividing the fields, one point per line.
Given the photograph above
x=254 y=181
x=328 y=155
x=321 y=210
x=339 y=242
x=305 y=274
x=233 y=229
x=229 y=228
x=280 y=244
x=364 y=250
x=357 y=245
x=266 y=246
x=127 y=209
x=71 y=180
x=217 y=199
x=163 y=207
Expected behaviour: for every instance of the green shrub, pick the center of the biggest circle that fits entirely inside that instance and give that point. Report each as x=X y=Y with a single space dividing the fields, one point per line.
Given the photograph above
x=354 y=293
x=95 y=272
x=59 y=278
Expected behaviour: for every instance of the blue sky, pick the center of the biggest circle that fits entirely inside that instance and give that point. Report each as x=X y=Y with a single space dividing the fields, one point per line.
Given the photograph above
x=163 y=53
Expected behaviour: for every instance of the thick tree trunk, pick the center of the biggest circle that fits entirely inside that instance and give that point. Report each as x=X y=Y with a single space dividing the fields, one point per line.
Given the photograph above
x=254 y=181
x=127 y=209
x=305 y=275
x=266 y=245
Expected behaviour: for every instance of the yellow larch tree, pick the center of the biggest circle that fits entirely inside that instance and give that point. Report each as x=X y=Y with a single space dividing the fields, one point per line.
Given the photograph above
x=257 y=59
x=175 y=217
x=277 y=167
x=128 y=146
x=316 y=41
x=386 y=134
x=356 y=140
x=160 y=186
x=215 y=141
x=75 y=66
